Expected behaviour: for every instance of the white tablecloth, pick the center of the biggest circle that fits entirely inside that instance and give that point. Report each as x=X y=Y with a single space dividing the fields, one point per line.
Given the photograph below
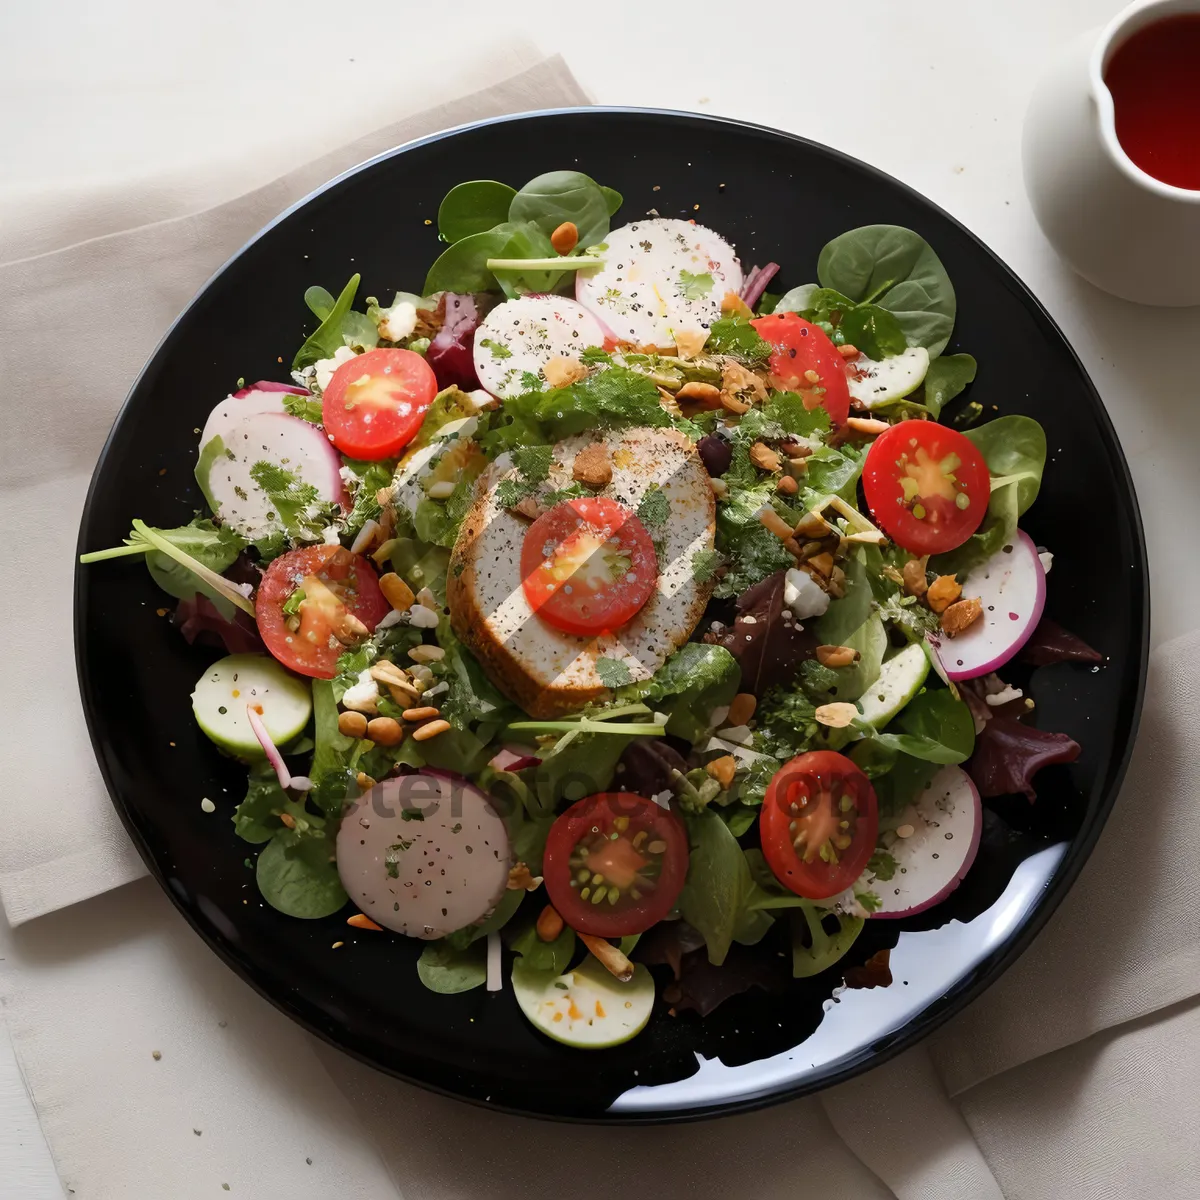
x=201 y=103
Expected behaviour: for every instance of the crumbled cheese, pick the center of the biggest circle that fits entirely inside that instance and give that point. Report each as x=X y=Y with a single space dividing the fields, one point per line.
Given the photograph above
x=1004 y=697
x=663 y=799
x=737 y=733
x=803 y=595
x=1046 y=558
x=329 y=535
x=389 y=619
x=398 y=322
x=362 y=696
x=324 y=369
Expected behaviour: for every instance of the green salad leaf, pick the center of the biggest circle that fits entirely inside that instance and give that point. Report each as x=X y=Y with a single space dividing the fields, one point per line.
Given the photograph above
x=370 y=479
x=300 y=879
x=505 y=910
x=472 y=697
x=444 y=969
x=473 y=207
x=933 y=726
x=254 y=820
x=694 y=681
x=558 y=196
x=552 y=956
x=947 y=376
x=872 y=329
x=325 y=340
x=898 y=270
x=1014 y=448
x=718 y=882
x=820 y=938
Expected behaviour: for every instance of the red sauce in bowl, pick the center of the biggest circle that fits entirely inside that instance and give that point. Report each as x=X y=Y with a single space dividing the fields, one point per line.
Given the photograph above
x=1154 y=78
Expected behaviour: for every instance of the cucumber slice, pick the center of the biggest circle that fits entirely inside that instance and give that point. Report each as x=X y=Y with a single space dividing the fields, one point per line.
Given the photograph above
x=874 y=383
x=899 y=680
x=223 y=691
x=586 y=1007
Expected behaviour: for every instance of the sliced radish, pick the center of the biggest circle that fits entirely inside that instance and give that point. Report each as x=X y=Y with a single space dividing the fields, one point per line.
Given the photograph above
x=660 y=277
x=943 y=827
x=424 y=854
x=260 y=397
x=874 y=383
x=228 y=457
x=516 y=340
x=1012 y=588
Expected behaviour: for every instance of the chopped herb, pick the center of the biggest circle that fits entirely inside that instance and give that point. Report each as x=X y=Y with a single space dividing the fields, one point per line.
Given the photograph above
x=307 y=408
x=533 y=462
x=882 y=865
x=291 y=606
x=411 y=814
x=695 y=286
x=655 y=508
x=868 y=901
x=731 y=335
x=704 y=565
x=498 y=350
x=613 y=673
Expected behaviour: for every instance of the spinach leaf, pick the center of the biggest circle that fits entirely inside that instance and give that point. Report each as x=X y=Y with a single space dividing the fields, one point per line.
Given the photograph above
x=694 y=681
x=545 y=956
x=769 y=893
x=1014 y=449
x=327 y=337
x=332 y=751
x=798 y=299
x=946 y=377
x=814 y=947
x=254 y=819
x=834 y=470
x=846 y=615
x=897 y=269
x=300 y=879
x=583 y=767
x=907 y=779
x=504 y=911
x=473 y=207
x=873 y=330
x=443 y=969
x=612 y=198
x=213 y=546
x=526 y=241
x=933 y=726
x=718 y=882
x=462 y=266
x=559 y=196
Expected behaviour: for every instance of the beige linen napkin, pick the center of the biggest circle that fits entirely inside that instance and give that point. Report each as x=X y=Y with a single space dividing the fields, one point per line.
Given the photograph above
x=116 y=294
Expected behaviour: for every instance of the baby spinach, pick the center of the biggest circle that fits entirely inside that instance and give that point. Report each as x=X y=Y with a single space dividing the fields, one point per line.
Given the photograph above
x=559 y=196
x=933 y=726
x=526 y=241
x=814 y=948
x=612 y=198
x=870 y=640
x=1014 y=448
x=948 y=374
x=462 y=266
x=845 y=615
x=442 y=968
x=473 y=207
x=504 y=911
x=545 y=956
x=254 y=819
x=898 y=270
x=718 y=882
x=998 y=529
x=873 y=330
x=300 y=879
x=324 y=341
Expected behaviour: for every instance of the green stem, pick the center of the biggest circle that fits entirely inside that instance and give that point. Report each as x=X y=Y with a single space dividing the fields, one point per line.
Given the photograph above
x=218 y=583
x=566 y=263
x=879 y=291
x=116 y=552
x=536 y=727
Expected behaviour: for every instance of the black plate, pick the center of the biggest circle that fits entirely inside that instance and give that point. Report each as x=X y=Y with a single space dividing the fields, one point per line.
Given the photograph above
x=778 y=198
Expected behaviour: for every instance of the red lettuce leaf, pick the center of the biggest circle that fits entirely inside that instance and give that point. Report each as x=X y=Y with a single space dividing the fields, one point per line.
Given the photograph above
x=1052 y=643
x=769 y=646
x=1009 y=754
x=200 y=622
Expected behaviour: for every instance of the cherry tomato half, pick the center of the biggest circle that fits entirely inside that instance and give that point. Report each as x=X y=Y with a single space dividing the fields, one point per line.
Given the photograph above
x=615 y=864
x=335 y=585
x=818 y=824
x=375 y=403
x=926 y=485
x=800 y=347
x=588 y=565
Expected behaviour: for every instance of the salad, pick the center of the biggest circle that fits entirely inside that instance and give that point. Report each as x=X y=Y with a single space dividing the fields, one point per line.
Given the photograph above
x=596 y=608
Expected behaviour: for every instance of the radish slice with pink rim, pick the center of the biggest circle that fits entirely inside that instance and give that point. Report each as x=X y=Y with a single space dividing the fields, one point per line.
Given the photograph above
x=943 y=827
x=1011 y=585
x=264 y=396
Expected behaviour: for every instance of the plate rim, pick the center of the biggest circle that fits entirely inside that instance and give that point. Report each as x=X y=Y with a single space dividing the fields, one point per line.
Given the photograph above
x=958 y=996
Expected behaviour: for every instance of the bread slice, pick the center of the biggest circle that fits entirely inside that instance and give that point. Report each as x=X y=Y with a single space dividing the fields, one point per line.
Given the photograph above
x=544 y=670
